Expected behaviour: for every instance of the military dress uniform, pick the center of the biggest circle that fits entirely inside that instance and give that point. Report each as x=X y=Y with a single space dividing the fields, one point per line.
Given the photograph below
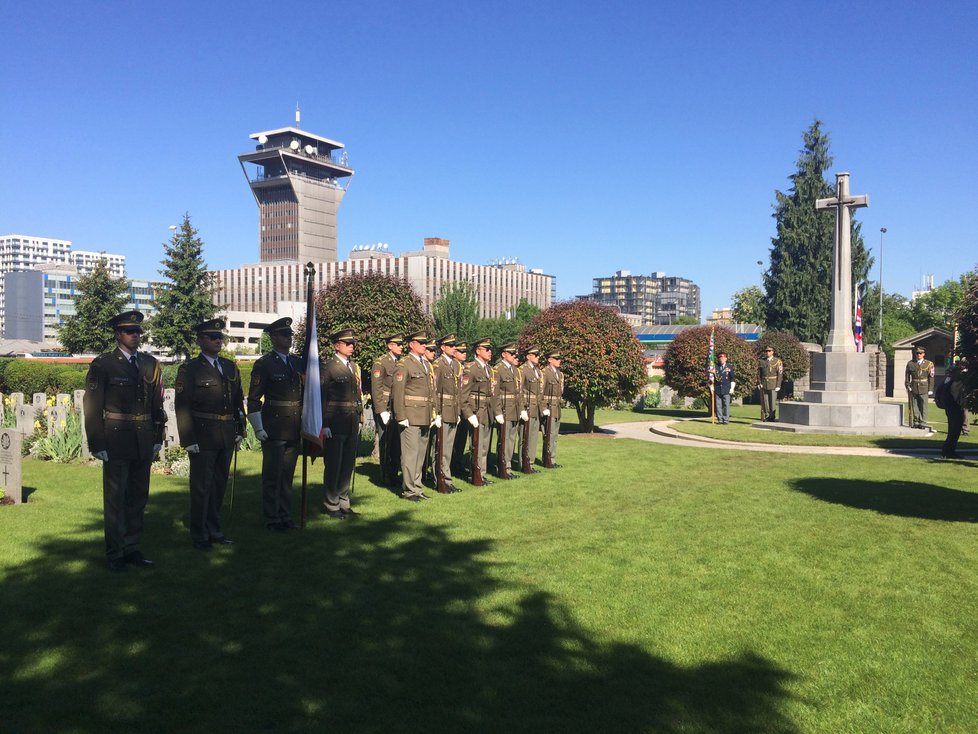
x=552 y=393
x=462 y=427
x=920 y=384
x=532 y=380
x=478 y=399
x=413 y=396
x=124 y=418
x=342 y=415
x=723 y=383
x=388 y=439
x=448 y=379
x=275 y=395
x=770 y=375
x=210 y=414
x=509 y=390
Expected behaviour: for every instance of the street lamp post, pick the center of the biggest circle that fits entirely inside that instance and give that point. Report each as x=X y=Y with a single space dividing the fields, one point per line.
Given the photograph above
x=882 y=232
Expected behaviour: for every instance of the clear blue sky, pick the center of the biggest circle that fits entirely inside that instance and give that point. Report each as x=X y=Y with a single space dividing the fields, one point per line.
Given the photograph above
x=583 y=138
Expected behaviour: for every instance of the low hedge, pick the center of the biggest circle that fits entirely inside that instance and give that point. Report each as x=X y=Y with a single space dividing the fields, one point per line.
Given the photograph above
x=29 y=376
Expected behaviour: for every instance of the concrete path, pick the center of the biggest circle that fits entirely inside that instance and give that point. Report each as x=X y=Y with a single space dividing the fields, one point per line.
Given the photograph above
x=663 y=432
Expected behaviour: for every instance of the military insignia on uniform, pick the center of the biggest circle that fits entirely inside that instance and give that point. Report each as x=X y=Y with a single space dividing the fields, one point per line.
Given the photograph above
x=465 y=379
x=178 y=387
x=399 y=376
x=93 y=384
x=376 y=372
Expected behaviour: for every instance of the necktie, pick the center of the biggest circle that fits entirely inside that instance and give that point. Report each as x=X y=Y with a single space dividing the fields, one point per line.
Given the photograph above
x=134 y=362
x=217 y=366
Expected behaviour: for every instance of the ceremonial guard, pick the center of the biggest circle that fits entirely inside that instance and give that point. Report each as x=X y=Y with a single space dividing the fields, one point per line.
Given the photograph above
x=342 y=417
x=124 y=421
x=510 y=394
x=461 y=350
x=920 y=385
x=274 y=411
x=210 y=420
x=532 y=379
x=552 y=394
x=770 y=375
x=479 y=404
x=381 y=384
x=414 y=406
x=723 y=388
x=448 y=373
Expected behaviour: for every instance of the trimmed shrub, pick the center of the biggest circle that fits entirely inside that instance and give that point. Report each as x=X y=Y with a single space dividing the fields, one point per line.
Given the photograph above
x=686 y=361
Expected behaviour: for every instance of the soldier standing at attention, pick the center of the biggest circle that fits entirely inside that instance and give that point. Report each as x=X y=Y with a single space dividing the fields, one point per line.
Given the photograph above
x=210 y=420
x=770 y=374
x=428 y=470
x=532 y=387
x=342 y=416
x=274 y=411
x=124 y=422
x=448 y=372
x=381 y=383
x=920 y=386
x=553 y=391
x=479 y=403
x=510 y=392
x=461 y=350
x=413 y=396
x=724 y=386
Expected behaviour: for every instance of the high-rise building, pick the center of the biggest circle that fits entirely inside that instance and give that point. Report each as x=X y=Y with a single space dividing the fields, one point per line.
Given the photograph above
x=656 y=298
x=298 y=180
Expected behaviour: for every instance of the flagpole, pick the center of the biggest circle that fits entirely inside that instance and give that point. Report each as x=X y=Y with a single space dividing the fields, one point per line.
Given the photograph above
x=312 y=407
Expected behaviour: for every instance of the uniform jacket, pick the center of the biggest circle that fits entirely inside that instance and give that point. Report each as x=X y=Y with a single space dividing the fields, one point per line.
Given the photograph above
x=209 y=405
x=276 y=391
x=532 y=388
x=770 y=374
x=342 y=396
x=448 y=380
x=477 y=393
x=509 y=388
x=382 y=382
x=724 y=376
x=920 y=377
x=124 y=407
x=414 y=391
x=553 y=390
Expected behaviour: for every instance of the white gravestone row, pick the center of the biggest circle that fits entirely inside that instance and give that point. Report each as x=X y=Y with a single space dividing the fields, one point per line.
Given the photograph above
x=10 y=466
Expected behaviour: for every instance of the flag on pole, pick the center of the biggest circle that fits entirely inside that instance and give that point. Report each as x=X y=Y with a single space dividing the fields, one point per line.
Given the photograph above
x=312 y=404
x=858 y=328
x=711 y=365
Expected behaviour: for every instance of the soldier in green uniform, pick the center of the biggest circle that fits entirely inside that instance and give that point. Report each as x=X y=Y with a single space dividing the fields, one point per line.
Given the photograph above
x=210 y=421
x=124 y=421
x=414 y=406
x=342 y=417
x=381 y=384
x=448 y=373
x=274 y=411
x=461 y=350
x=770 y=374
x=428 y=471
x=552 y=391
x=480 y=405
x=509 y=388
x=920 y=385
x=532 y=379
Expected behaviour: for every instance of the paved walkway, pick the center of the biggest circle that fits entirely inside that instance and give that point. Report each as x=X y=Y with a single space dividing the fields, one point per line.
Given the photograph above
x=663 y=432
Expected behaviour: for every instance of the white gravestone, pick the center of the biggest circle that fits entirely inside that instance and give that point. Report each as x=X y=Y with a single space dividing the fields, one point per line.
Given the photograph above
x=10 y=476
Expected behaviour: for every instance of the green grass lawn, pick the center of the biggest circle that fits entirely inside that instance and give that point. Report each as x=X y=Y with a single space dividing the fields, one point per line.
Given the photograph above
x=641 y=588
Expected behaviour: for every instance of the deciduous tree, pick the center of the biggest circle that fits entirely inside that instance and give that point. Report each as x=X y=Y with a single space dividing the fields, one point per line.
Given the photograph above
x=747 y=305
x=968 y=336
x=686 y=361
x=98 y=298
x=457 y=311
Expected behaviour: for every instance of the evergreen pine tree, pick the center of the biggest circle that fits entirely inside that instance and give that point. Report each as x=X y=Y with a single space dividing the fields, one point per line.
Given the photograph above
x=99 y=298
x=187 y=297
x=797 y=283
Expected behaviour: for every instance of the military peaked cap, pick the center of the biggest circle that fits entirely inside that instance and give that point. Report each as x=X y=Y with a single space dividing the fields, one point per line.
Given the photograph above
x=484 y=342
x=430 y=346
x=127 y=319
x=343 y=335
x=418 y=336
x=461 y=347
x=533 y=350
x=919 y=349
x=511 y=348
x=283 y=324
x=394 y=339
x=449 y=340
x=210 y=325
x=554 y=355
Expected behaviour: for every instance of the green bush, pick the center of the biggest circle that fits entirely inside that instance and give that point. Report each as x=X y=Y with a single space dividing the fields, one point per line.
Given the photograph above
x=68 y=379
x=4 y=363
x=653 y=399
x=28 y=377
x=62 y=446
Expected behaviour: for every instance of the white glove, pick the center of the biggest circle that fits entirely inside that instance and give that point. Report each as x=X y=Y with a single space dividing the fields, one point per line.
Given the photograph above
x=327 y=433
x=499 y=419
x=930 y=394
x=524 y=416
x=385 y=417
x=237 y=441
x=733 y=386
x=473 y=421
x=101 y=455
x=157 y=447
x=406 y=423
x=261 y=435
x=778 y=390
x=437 y=421
x=193 y=448
x=546 y=412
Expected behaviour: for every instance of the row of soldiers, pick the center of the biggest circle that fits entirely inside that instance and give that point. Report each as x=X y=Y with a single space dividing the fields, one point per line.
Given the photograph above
x=428 y=402
x=125 y=421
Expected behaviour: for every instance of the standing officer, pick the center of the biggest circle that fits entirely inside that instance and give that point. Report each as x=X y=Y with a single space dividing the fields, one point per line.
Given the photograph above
x=510 y=392
x=532 y=388
x=724 y=386
x=342 y=416
x=461 y=350
x=274 y=411
x=553 y=391
x=381 y=384
x=448 y=374
x=479 y=402
x=414 y=406
x=210 y=420
x=770 y=374
x=920 y=385
x=124 y=421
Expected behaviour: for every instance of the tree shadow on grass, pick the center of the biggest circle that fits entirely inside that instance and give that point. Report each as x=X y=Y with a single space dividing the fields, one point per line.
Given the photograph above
x=900 y=498
x=379 y=625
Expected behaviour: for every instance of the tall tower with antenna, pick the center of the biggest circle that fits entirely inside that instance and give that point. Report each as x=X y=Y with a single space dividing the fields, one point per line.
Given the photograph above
x=298 y=180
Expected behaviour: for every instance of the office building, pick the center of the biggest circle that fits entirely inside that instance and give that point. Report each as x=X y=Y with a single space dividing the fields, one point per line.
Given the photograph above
x=656 y=298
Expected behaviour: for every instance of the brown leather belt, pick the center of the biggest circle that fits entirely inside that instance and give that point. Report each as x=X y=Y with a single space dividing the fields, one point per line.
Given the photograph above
x=127 y=417
x=416 y=399
x=212 y=416
x=284 y=403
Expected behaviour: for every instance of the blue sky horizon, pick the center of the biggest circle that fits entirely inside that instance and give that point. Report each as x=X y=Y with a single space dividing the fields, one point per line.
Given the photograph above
x=583 y=139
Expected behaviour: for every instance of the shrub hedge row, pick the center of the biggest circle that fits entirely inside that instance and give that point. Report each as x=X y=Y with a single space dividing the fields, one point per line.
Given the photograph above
x=29 y=376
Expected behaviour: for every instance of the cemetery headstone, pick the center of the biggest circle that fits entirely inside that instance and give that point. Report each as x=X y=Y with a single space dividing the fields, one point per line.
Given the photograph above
x=10 y=465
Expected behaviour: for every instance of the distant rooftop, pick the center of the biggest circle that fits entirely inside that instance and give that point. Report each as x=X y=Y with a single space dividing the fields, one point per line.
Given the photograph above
x=297 y=132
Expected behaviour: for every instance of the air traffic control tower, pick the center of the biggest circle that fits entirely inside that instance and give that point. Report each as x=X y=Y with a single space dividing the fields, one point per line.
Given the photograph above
x=298 y=180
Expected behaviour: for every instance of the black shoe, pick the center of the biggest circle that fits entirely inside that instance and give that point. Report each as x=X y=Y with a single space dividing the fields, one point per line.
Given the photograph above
x=351 y=514
x=424 y=496
x=451 y=489
x=204 y=545
x=118 y=565
x=223 y=540
x=289 y=525
x=336 y=514
x=952 y=455
x=556 y=466
x=532 y=471
x=136 y=558
x=410 y=497
x=487 y=482
x=277 y=527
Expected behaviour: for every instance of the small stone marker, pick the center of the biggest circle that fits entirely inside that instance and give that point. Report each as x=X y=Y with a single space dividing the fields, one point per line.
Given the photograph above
x=55 y=415
x=170 y=435
x=16 y=398
x=25 y=419
x=79 y=400
x=10 y=476
x=40 y=401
